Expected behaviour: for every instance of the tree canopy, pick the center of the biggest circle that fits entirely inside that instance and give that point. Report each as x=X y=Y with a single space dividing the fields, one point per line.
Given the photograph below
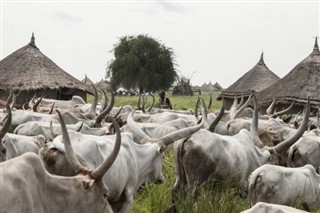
x=141 y=62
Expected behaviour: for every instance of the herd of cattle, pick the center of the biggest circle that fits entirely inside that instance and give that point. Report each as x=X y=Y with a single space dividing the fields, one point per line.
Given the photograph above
x=70 y=156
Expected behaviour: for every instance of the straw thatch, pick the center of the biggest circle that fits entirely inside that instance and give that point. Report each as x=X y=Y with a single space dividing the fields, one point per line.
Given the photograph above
x=29 y=71
x=256 y=79
x=302 y=81
x=211 y=87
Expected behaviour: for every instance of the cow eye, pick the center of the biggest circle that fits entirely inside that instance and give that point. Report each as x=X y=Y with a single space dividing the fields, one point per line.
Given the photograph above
x=4 y=151
x=105 y=195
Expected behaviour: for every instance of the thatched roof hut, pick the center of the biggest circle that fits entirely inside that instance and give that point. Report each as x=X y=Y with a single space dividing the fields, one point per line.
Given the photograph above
x=29 y=71
x=211 y=87
x=302 y=81
x=257 y=79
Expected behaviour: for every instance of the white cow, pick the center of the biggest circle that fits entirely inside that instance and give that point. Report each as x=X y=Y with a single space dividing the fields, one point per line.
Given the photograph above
x=262 y=207
x=306 y=151
x=285 y=186
x=51 y=130
x=135 y=165
x=18 y=144
x=25 y=182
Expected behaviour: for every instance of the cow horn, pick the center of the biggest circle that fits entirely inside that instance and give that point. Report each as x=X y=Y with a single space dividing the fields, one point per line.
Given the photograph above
x=284 y=145
x=139 y=102
x=105 y=112
x=210 y=102
x=92 y=110
x=104 y=100
x=196 y=108
x=243 y=107
x=153 y=100
x=215 y=122
x=31 y=102
x=14 y=99
x=70 y=155
x=35 y=106
x=51 y=108
x=179 y=134
x=271 y=107
x=104 y=167
x=283 y=111
x=233 y=108
x=9 y=96
x=254 y=125
x=241 y=101
x=144 y=101
x=7 y=124
x=138 y=133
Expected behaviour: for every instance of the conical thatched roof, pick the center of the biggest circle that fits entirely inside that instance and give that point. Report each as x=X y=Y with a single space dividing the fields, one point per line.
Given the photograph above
x=211 y=87
x=29 y=69
x=257 y=79
x=302 y=81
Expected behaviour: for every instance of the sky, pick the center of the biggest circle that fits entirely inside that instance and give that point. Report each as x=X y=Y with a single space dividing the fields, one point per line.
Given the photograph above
x=213 y=41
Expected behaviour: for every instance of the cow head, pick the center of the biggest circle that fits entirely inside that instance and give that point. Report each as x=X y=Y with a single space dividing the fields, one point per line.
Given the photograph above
x=305 y=151
x=95 y=192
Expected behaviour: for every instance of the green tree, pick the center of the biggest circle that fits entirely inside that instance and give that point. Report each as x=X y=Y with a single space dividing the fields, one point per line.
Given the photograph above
x=141 y=62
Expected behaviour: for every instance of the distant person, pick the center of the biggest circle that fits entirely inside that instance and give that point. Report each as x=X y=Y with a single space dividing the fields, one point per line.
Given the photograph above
x=164 y=102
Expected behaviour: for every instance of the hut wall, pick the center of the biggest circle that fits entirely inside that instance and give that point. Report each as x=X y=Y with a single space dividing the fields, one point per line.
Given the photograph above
x=26 y=96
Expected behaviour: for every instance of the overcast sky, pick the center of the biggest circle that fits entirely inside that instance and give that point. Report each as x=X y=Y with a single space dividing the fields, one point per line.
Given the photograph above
x=217 y=41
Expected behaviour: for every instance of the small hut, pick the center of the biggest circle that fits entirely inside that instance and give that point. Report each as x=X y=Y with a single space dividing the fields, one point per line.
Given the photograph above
x=211 y=87
x=302 y=81
x=256 y=79
x=28 y=71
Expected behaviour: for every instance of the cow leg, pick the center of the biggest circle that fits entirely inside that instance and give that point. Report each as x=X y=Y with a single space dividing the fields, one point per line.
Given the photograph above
x=128 y=199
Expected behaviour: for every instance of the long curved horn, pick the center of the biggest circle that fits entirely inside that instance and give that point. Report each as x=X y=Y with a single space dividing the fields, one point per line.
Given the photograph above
x=215 y=122
x=7 y=124
x=210 y=102
x=105 y=112
x=139 y=103
x=9 y=96
x=283 y=111
x=153 y=100
x=51 y=108
x=243 y=107
x=271 y=107
x=284 y=145
x=254 y=125
x=104 y=100
x=92 y=110
x=35 y=106
x=70 y=155
x=104 y=167
x=31 y=102
x=179 y=134
x=138 y=133
x=196 y=108
x=204 y=109
x=144 y=101
x=241 y=101
x=14 y=99
x=233 y=108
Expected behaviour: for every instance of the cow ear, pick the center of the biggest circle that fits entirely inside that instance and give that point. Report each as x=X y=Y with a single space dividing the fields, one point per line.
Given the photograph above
x=162 y=148
x=87 y=184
